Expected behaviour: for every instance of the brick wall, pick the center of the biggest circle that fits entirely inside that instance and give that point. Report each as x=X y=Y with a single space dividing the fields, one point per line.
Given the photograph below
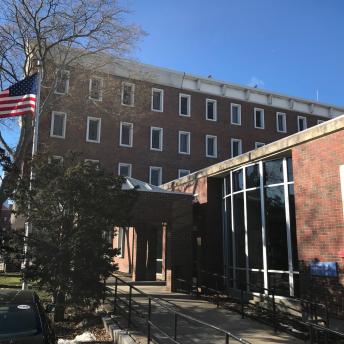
x=319 y=208
x=77 y=106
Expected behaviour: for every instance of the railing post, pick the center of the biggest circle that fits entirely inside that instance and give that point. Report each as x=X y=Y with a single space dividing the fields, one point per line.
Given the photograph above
x=274 y=310
x=149 y=319
x=129 y=315
x=175 y=325
x=311 y=333
x=242 y=303
x=227 y=338
x=115 y=299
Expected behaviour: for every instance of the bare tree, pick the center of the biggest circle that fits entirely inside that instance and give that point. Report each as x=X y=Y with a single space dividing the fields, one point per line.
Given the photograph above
x=68 y=31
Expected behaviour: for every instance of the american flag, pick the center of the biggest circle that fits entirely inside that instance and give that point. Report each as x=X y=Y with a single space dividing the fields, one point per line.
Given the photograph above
x=20 y=98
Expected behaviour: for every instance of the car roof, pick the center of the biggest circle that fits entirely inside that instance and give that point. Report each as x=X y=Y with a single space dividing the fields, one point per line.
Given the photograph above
x=17 y=296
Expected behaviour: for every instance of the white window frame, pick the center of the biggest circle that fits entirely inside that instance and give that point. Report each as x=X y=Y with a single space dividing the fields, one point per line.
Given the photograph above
x=156 y=168
x=123 y=164
x=263 y=118
x=258 y=144
x=320 y=121
x=121 y=245
x=52 y=124
x=239 y=113
x=180 y=133
x=67 y=81
x=182 y=170
x=131 y=134
x=125 y=83
x=215 y=146
x=100 y=91
x=99 y=120
x=284 y=121
x=58 y=158
x=240 y=146
x=188 y=96
x=341 y=172
x=92 y=161
x=161 y=99
x=298 y=122
x=161 y=136
x=214 y=101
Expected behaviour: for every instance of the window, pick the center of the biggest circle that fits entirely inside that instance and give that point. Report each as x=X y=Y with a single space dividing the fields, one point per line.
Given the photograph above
x=320 y=121
x=236 y=114
x=281 y=123
x=211 y=146
x=126 y=135
x=157 y=100
x=62 y=81
x=211 y=109
x=124 y=170
x=236 y=147
x=259 y=118
x=341 y=172
x=301 y=123
x=128 y=92
x=258 y=144
x=184 y=142
x=155 y=175
x=184 y=105
x=93 y=129
x=183 y=173
x=96 y=89
x=121 y=241
x=156 y=139
x=58 y=125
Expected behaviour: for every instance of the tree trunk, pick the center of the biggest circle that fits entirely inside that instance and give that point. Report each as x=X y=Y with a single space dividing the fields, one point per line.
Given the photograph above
x=60 y=306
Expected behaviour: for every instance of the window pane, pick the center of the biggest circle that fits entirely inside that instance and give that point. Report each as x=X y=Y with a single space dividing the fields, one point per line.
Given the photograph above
x=236 y=148
x=229 y=231
x=95 y=89
x=183 y=173
x=281 y=123
x=156 y=144
x=259 y=122
x=210 y=109
x=257 y=281
x=93 y=130
x=58 y=125
x=155 y=176
x=276 y=233
x=184 y=105
x=157 y=100
x=239 y=228
x=125 y=135
x=184 y=143
x=127 y=94
x=61 y=81
x=237 y=180
x=254 y=229
x=290 y=170
x=124 y=170
x=273 y=172
x=211 y=148
x=235 y=115
x=280 y=282
x=293 y=227
x=252 y=176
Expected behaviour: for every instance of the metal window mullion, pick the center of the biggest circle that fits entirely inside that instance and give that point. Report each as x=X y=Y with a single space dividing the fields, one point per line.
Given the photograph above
x=245 y=224
x=233 y=234
x=287 y=221
x=262 y=213
x=224 y=229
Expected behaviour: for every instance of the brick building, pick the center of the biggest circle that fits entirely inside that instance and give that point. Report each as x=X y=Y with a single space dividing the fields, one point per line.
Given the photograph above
x=274 y=217
x=156 y=124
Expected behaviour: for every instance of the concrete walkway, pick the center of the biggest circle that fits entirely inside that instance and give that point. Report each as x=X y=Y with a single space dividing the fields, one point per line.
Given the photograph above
x=188 y=332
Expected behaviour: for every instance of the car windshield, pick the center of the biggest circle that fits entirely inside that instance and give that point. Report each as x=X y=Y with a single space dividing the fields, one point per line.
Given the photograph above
x=18 y=320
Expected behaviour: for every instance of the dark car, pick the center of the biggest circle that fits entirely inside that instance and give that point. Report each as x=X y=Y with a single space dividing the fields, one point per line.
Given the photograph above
x=23 y=319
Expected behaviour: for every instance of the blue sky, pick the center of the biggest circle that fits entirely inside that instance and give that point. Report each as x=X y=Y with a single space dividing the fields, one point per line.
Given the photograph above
x=290 y=46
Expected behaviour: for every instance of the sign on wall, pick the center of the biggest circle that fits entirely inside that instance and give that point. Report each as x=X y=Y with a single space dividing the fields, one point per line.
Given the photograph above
x=324 y=269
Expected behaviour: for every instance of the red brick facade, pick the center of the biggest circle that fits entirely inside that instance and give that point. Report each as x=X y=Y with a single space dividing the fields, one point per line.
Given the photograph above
x=78 y=107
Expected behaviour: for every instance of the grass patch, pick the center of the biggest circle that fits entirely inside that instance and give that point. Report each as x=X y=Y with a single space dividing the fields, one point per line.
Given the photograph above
x=15 y=280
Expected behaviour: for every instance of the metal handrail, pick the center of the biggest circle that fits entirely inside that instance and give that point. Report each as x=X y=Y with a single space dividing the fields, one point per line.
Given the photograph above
x=177 y=314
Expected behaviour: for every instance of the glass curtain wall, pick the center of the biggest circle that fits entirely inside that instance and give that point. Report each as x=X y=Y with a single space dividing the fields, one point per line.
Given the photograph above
x=259 y=237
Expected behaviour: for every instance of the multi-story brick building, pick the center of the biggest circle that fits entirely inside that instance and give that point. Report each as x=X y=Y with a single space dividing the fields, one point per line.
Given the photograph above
x=156 y=124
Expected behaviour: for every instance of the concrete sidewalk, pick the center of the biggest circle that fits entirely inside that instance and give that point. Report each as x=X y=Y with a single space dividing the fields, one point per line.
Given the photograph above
x=188 y=332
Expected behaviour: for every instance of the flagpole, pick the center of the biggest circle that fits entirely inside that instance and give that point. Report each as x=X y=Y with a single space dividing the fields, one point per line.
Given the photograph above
x=28 y=225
